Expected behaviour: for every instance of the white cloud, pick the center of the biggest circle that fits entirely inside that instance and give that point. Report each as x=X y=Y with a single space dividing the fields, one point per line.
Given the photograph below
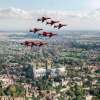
x=19 y=13
x=14 y=13
x=21 y=19
x=93 y=4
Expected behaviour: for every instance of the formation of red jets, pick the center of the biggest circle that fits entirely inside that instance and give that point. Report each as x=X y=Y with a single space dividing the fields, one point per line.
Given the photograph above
x=35 y=30
x=39 y=43
x=59 y=26
x=33 y=43
x=43 y=19
x=48 y=34
x=52 y=22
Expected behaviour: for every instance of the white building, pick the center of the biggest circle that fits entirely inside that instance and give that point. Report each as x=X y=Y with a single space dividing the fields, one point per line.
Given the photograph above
x=40 y=72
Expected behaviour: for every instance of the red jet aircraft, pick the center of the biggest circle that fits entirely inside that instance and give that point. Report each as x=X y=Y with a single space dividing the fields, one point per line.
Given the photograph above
x=47 y=34
x=52 y=22
x=43 y=19
x=35 y=30
x=33 y=43
x=59 y=26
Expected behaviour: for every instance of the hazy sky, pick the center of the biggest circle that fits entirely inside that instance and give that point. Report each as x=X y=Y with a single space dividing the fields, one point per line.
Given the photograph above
x=80 y=14
x=52 y=4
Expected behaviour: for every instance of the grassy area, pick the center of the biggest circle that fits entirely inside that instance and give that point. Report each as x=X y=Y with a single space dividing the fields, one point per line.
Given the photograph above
x=14 y=90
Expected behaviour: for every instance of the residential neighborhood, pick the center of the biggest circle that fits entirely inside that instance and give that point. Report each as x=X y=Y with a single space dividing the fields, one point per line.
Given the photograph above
x=69 y=73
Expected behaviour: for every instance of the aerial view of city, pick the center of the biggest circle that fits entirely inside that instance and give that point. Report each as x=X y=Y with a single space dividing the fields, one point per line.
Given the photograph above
x=50 y=50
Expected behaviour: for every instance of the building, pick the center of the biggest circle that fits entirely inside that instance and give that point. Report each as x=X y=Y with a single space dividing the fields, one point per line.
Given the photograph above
x=40 y=72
